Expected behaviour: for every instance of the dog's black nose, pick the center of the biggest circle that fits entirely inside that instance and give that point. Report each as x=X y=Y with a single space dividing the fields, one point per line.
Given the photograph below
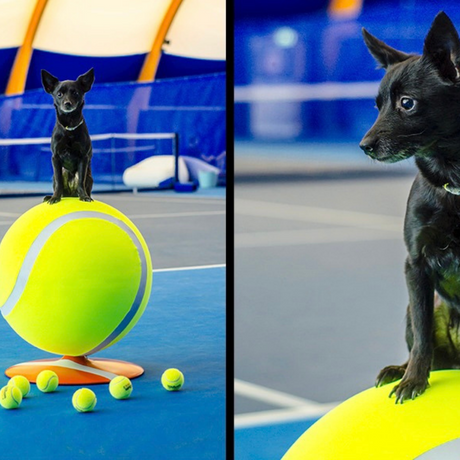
x=367 y=146
x=68 y=105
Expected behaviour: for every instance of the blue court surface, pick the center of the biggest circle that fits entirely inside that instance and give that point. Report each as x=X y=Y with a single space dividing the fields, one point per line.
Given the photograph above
x=304 y=339
x=183 y=326
x=268 y=441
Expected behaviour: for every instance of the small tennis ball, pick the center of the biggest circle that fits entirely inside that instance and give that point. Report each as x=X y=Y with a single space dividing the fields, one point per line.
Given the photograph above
x=84 y=400
x=21 y=382
x=47 y=381
x=10 y=397
x=172 y=379
x=120 y=387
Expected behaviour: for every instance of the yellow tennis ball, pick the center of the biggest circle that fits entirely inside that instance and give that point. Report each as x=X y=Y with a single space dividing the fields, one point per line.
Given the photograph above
x=172 y=379
x=47 y=381
x=75 y=276
x=84 y=400
x=22 y=383
x=10 y=397
x=120 y=387
x=371 y=425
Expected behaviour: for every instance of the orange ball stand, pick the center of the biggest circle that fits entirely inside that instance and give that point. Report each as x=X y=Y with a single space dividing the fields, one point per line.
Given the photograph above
x=77 y=370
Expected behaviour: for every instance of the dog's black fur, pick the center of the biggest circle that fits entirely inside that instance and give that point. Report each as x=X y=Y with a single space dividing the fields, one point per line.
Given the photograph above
x=70 y=142
x=419 y=115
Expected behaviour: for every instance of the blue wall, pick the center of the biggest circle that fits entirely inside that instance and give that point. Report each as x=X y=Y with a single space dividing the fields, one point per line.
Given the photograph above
x=194 y=107
x=324 y=50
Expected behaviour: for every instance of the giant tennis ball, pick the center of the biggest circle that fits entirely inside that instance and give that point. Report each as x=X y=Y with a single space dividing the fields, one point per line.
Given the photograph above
x=371 y=426
x=75 y=277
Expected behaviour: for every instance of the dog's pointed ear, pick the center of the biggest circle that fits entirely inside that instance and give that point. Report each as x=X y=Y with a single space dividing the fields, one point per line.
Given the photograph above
x=442 y=47
x=49 y=81
x=384 y=55
x=86 y=80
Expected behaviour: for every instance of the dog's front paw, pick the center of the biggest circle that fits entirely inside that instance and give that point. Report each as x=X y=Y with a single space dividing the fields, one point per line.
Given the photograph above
x=47 y=198
x=389 y=374
x=409 y=388
x=86 y=198
x=54 y=199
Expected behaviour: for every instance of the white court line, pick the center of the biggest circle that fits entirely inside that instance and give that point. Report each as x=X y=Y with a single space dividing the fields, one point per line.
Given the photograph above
x=273 y=417
x=310 y=236
x=294 y=407
x=150 y=198
x=10 y=214
x=198 y=267
x=145 y=216
x=267 y=395
x=177 y=214
x=318 y=215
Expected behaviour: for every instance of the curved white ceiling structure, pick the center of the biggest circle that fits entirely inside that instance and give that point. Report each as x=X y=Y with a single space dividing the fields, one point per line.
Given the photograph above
x=115 y=37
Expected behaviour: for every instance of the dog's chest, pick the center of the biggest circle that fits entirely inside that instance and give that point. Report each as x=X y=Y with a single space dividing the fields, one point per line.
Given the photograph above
x=440 y=247
x=69 y=160
x=70 y=153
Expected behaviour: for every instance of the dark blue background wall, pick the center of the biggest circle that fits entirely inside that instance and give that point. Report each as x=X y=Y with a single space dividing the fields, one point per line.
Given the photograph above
x=325 y=50
x=193 y=107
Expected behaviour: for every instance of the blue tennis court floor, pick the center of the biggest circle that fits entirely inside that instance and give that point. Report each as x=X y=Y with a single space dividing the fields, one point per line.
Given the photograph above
x=183 y=326
x=266 y=434
x=268 y=442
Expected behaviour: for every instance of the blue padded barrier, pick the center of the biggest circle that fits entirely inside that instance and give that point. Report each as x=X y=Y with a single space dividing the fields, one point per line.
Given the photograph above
x=171 y=66
x=193 y=107
x=69 y=67
x=324 y=50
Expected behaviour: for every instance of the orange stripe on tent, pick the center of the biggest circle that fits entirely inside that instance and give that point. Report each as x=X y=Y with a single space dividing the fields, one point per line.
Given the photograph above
x=345 y=8
x=149 y=69
x=18 y=75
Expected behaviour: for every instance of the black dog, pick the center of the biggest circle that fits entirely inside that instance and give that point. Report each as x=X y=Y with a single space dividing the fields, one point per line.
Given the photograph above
x=419 y=115
x=70 y=142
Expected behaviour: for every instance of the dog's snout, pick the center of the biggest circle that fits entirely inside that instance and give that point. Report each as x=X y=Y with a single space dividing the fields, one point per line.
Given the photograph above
x=68 y=105
x=367 y=145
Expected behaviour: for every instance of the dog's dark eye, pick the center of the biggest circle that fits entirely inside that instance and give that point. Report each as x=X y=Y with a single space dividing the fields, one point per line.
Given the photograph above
x=59 y=94
x=407 y=103
x=74 y=93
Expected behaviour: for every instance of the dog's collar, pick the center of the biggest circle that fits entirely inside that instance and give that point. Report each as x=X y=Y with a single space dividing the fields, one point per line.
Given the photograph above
x=72 y=128
x=450 y=189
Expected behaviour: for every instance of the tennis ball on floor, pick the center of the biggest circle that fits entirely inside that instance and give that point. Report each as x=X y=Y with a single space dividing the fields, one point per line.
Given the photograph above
x=120 y=387
x=84 y=400
x=172 y=379
x=75 y=276
x=47 y=381
x=22 y=383
x=10 y=397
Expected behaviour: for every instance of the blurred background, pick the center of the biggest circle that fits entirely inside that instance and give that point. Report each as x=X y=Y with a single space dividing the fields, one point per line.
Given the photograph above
x=320 y=295
x=159 y=67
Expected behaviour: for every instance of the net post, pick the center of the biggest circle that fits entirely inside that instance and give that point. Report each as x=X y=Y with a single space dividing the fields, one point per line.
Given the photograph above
x=176 y=157
x=112 y=159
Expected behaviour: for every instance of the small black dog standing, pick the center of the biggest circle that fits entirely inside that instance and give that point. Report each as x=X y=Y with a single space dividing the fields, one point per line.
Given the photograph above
x=70 y=142
x=419 y=115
